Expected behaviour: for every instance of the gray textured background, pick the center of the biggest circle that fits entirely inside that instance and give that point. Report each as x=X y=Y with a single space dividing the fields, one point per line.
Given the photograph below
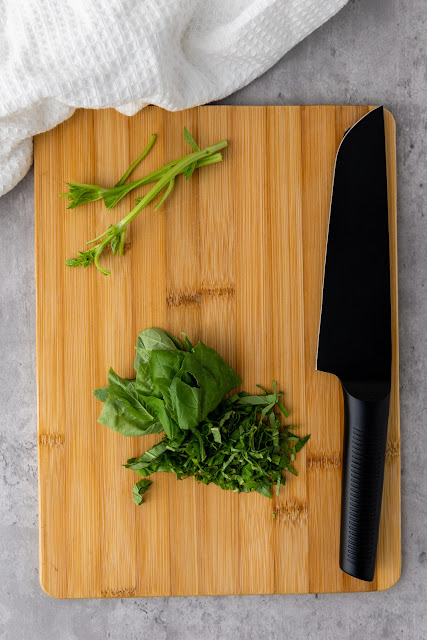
x=372 y=52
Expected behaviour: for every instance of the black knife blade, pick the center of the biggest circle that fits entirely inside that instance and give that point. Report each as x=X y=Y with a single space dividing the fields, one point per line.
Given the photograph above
x=355 y=331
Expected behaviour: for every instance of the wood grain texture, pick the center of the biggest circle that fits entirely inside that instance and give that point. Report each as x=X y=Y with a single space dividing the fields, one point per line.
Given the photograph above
x=235 y=258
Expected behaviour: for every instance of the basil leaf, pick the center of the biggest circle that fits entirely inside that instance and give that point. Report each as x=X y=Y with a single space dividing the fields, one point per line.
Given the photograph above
x=115 y=243
x=164 y=365
x=154 y=339
x=188 y=171
x=102 y=394
x=148 y=457
x=216 y=434
x=186 y=403
x=158 y=408
x=264 y=489
x=158 y=339
x=139 y=488
x=301 y=442
x=213 y=375
x=188 y=345
x=261 y=400
x=189 y=138
x=143 y=383
x=120 y=385
x=128 y=417
x=282 y=409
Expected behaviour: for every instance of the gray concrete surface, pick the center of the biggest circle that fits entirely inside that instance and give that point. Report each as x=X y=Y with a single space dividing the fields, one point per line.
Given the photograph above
x=374 y=51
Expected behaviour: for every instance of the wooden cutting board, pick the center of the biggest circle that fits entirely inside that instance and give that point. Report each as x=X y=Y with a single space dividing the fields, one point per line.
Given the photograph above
x=235 y=258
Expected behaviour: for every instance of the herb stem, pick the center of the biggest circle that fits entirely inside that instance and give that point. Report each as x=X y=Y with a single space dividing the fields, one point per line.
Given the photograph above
x=167 y=177
x=100 y=236
x=80 y=193
x=155 y=175
x=98 y=250
x=126 y=175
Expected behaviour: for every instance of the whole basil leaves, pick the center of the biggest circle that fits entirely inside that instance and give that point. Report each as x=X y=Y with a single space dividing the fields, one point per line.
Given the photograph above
x=174 y=389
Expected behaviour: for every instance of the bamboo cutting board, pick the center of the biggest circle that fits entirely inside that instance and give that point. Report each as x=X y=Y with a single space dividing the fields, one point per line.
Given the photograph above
x=234 y=258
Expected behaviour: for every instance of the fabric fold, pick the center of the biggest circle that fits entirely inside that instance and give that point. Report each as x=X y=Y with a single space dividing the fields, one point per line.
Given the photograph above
x=59 y=55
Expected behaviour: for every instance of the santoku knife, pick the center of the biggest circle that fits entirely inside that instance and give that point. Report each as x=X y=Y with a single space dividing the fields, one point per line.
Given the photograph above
x=355 y=332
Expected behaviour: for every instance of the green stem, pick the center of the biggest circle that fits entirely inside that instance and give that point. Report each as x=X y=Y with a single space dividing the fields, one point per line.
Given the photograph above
x=83 y=185
x=100 y=236
x=111 y=196
x=122 y=242
x=167 y=177
x=165 y=195
x=98 y=250
x=210 y=155
x=137 y=161
x=158 y=173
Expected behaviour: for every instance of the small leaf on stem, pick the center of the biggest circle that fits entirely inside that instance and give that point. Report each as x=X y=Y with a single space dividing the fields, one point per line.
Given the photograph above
x=189 y=138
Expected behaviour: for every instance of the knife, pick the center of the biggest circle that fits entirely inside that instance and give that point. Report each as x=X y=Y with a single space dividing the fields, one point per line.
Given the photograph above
x=355 y=332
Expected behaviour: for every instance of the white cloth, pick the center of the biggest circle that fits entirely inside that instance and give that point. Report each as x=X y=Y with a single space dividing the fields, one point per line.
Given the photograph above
x=57 y=55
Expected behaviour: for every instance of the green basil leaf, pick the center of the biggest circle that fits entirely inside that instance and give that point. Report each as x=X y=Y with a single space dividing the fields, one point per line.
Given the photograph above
x=158 y=408
x=186 y=403
x=139 y=488
x=216 y=434
x=301 y=442
x=158 y=339
x=189 y=138
x=154 y=339
x=143 y=383
x=102 y=394
x=189 y=170
x=187 y=343
x=115 y=243
x=264 y=489
x=214 y=376
x=282 y=409
x=164 y=365
x=128 y=417
x=121 y=385
x=148 y=457
x=259 y=400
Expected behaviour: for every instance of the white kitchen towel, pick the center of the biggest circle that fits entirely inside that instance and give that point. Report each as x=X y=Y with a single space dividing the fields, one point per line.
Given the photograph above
x=57 y=55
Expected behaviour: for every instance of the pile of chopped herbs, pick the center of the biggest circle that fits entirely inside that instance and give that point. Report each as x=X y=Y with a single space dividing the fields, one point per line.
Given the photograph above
x=237 y=443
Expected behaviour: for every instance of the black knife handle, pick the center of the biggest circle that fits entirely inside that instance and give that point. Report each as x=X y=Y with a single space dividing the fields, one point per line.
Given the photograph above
x=365 y=434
